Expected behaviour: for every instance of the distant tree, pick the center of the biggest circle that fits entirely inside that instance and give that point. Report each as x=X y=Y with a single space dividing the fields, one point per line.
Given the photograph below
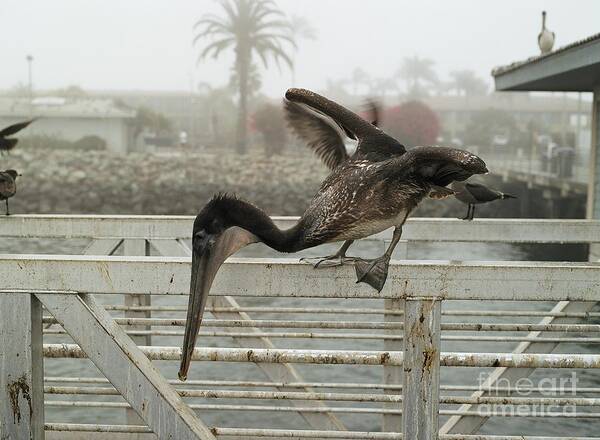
x=146 y=118
x=18 y=90
x=359 y=77
x=251 y=28
x=254 y=81
x=219 y=104
x=466 y=82
x=484 y=125
x=72 y=91
x=269 y=121
x=381 y=86
x=336 y=90
x=416 y=71
x=412 y=123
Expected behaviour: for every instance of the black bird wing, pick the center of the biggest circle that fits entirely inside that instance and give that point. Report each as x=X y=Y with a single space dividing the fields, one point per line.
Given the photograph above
x=322 y=137
x=15 y=128
x=373 y=144
x=482 y=193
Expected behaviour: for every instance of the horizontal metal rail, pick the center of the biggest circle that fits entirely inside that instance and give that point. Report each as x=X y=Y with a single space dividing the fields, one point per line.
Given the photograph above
x=342 y=397
x=341 y=385
x=347 y=357
x=353 y=336
x=332 y=409
x=517 y=281
x=359 y=325
x=415 y=229
x=283 y=433
x=353 y=311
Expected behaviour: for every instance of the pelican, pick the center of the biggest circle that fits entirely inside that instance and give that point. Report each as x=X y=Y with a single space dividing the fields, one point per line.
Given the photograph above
x=473 y=194
x=8 y=186
x=372 y=191
x=7 y=143
x=545 y=38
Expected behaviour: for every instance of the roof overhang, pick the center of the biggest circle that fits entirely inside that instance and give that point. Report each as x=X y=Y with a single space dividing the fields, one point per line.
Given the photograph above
x=573 y=68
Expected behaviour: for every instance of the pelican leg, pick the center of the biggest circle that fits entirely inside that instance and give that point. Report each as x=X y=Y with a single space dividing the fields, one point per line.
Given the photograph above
x=374 y=272
x=336 y=259
x=7 y=211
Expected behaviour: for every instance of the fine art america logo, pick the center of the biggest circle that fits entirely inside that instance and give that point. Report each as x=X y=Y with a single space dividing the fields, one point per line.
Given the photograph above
x=548 y=396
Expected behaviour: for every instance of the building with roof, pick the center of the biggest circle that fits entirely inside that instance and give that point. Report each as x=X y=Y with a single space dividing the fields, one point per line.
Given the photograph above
x=572 y=68
x=73 y=119
x=562 y=115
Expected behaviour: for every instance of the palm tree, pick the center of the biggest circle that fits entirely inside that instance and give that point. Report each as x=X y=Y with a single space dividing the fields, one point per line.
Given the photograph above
x=250 y=28
x=415 y=70
x=359 y=77
x=467 y=82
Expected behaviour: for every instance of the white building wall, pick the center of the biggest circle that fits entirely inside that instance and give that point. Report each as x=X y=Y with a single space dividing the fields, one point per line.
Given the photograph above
x=113 y=130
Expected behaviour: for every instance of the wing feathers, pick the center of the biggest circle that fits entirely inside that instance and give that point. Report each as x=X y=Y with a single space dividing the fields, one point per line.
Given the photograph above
x=15 y=128
x=322 y=137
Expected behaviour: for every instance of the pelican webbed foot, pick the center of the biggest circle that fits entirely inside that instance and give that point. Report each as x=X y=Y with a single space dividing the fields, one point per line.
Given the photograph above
x=330 y=261
x=336 y=259
x=373 y=272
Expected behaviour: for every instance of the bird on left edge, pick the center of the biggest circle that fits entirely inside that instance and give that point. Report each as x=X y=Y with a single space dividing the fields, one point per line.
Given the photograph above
x=362 y=196
x=7 y=143
x=8 y=186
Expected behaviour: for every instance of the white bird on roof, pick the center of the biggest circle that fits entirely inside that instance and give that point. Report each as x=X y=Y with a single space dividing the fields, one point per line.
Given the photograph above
x=545 y=38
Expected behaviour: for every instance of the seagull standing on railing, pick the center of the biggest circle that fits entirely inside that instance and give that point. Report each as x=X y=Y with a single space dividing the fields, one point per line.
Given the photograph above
x=545 y=38
x=7 y=143
x=368 y=193
x=473 y=194
x=8 y=186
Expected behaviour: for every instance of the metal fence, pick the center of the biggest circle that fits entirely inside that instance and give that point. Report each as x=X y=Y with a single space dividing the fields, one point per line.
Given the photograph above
x=287 y=351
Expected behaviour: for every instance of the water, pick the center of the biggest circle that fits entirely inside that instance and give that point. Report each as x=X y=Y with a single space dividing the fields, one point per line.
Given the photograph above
x=362 y=374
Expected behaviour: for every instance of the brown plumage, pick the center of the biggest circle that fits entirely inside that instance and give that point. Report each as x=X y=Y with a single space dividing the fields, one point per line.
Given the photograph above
x=7 y=143
x=8 y=186
x=374 y=189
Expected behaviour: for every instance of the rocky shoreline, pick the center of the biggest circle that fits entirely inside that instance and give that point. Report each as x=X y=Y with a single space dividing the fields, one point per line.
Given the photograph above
x=180 y=183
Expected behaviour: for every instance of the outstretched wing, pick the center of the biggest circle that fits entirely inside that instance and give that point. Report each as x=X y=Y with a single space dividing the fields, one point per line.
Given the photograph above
x=15 y=128
x=373 y=143
x=439 y=165
x=320 y=135
x=482 y=193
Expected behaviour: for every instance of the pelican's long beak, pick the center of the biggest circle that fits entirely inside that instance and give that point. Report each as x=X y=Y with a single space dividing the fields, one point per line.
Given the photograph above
x=204 y=270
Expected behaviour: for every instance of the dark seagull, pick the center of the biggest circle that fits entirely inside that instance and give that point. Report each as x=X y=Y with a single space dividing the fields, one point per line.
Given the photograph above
x=373 y=190
x=473 y=194
x=8 y=186
x=7 y=143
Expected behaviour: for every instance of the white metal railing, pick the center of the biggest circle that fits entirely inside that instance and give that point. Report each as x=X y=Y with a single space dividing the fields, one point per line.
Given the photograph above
x=404 y=327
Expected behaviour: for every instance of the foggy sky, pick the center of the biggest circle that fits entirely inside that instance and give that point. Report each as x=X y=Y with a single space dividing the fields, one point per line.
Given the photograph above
x=146 y=45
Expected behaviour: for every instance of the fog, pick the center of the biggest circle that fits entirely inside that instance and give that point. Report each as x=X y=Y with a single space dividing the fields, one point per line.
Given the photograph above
x=138 y=44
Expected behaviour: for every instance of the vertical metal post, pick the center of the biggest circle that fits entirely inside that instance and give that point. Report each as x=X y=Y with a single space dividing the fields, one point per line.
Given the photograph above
x=421 y=368
x=593 y=196
x=21 y=367
x=392 y=374
x=136 y=247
